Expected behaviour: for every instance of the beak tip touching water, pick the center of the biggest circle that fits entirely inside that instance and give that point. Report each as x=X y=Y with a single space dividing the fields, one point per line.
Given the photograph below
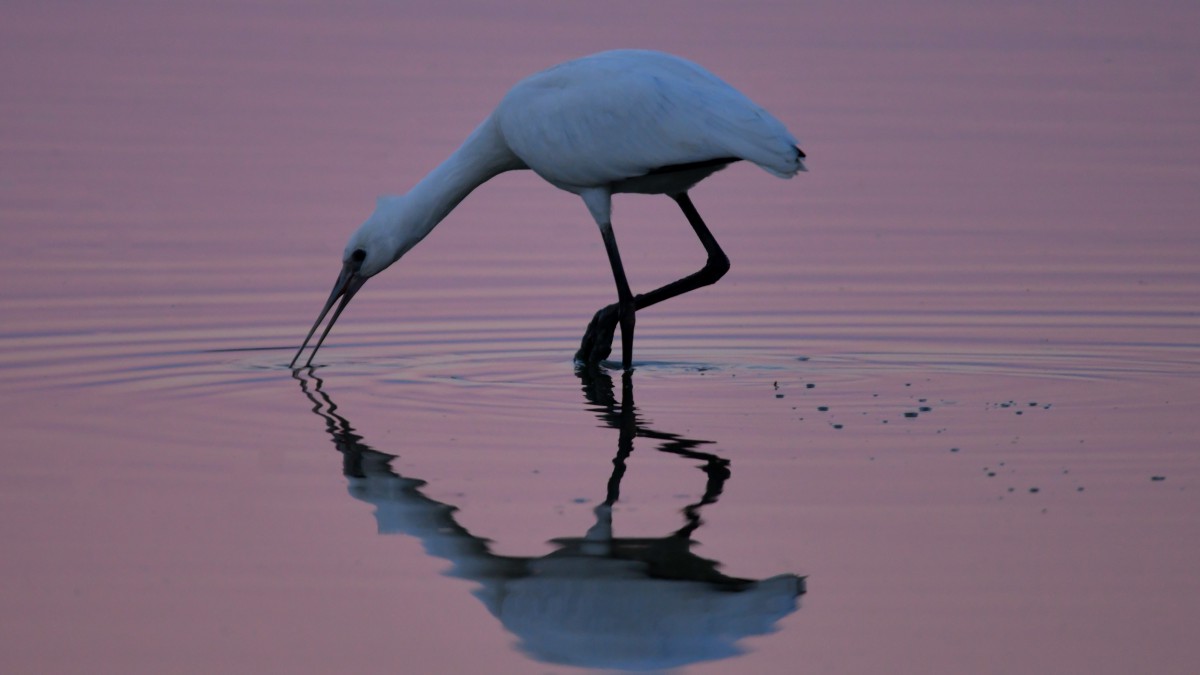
x=348 y=283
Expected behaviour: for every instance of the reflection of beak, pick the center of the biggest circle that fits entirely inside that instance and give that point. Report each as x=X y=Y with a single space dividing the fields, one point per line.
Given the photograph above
x=348 y=283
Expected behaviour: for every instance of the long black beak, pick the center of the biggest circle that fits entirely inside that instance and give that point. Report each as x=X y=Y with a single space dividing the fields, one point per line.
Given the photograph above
x=348 y=283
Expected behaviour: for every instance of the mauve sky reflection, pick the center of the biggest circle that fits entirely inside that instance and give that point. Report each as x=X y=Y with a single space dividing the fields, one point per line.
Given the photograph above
x=939 y=417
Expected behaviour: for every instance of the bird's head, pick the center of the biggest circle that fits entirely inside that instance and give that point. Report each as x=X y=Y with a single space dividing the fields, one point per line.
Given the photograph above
x=387 y=234
x=383 y=237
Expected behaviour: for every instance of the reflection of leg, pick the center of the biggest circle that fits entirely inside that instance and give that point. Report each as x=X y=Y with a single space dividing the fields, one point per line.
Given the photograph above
x=614 y=481
x=598 y=390
x=598 y=540
x=627 y=424
x=717 y=470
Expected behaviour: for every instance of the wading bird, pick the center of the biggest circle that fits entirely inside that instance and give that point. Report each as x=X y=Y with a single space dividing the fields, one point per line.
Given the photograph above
x=618 y=121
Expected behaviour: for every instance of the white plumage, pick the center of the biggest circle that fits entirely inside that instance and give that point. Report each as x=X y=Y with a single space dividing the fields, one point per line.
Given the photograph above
x=618 y=121
x=617 y=115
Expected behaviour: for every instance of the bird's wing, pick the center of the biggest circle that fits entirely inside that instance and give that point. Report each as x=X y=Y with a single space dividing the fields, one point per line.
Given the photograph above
x=619 y=115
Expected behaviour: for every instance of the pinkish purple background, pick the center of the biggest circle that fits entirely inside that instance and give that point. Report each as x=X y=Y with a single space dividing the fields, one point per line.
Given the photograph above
x=1000 y=217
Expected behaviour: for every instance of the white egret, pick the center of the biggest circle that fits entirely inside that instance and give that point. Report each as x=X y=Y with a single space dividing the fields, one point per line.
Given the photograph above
x=618 y=121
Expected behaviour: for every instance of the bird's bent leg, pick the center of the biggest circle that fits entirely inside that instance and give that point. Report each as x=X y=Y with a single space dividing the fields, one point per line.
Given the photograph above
x=597 y=339
x=714 y=268
x=626 y=309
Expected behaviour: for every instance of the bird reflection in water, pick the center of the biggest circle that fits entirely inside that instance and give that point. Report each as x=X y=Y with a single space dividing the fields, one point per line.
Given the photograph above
x=598 y=600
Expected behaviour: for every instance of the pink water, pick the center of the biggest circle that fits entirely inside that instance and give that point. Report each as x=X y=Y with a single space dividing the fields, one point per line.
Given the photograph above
x=950 y=379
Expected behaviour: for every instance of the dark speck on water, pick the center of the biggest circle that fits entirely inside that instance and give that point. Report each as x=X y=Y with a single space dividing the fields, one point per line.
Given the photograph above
x=1158 y=478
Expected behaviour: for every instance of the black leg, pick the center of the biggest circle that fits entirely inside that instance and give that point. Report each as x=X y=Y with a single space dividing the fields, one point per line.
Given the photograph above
x=626 y=310
x=714 y=268
x=597 y=339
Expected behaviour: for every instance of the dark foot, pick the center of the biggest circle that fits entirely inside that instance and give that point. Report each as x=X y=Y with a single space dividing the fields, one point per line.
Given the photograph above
x=597 y=339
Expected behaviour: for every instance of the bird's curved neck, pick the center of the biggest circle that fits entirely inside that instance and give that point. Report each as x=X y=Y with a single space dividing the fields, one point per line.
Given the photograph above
x=482 y=156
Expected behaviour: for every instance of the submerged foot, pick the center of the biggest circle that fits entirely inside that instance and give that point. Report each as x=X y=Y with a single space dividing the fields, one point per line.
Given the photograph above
x=597 y=339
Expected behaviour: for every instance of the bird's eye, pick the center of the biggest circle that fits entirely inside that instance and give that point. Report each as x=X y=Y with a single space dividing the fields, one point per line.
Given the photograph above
x=359 y=255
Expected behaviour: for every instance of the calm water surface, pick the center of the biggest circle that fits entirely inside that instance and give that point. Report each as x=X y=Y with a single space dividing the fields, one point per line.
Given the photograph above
x=940 y=417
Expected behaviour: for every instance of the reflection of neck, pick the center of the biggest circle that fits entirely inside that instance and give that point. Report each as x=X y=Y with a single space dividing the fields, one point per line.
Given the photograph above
x=400 y=507
x=481 y=157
